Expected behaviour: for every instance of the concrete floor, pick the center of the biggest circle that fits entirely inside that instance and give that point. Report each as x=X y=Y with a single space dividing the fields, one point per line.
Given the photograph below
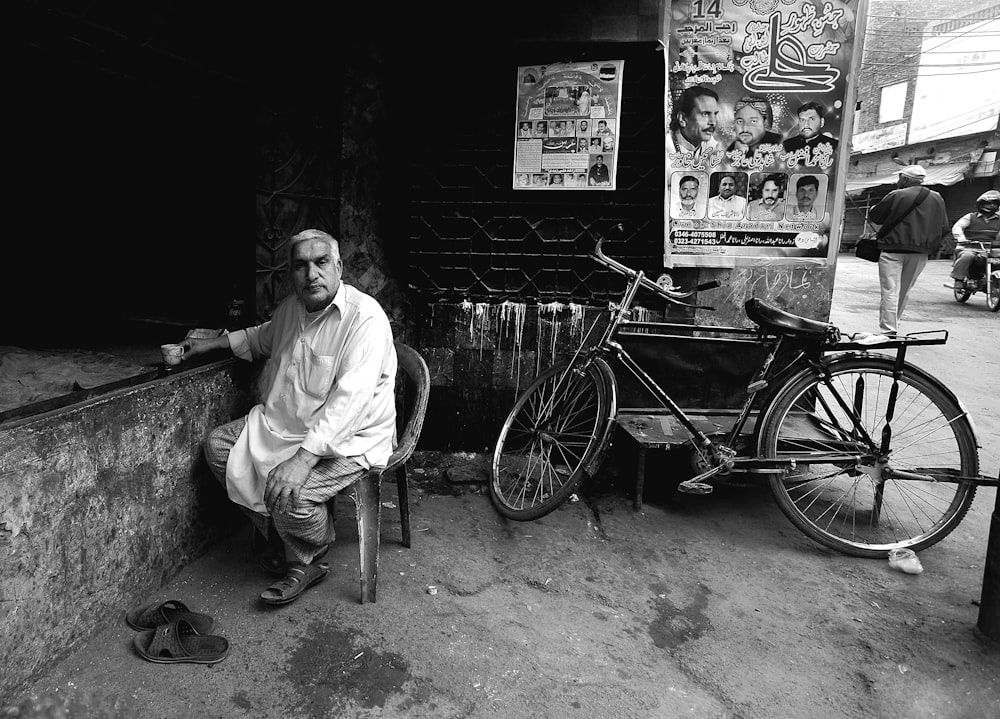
x=695 y=606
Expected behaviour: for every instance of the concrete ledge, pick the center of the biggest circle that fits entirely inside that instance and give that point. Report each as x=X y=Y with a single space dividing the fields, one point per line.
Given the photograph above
x=102 y=502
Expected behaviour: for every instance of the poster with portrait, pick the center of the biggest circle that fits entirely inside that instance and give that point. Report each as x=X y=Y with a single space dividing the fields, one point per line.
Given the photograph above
x=567 y=126
x=759 y=109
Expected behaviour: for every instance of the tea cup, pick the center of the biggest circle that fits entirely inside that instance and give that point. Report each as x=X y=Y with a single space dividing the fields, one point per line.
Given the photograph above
x=172 y=354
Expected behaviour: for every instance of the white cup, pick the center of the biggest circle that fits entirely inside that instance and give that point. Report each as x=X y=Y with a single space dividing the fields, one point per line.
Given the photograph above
x=172 y=354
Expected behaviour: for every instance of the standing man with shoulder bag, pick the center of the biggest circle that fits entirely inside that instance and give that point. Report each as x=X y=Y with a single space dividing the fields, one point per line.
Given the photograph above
x=913 y=220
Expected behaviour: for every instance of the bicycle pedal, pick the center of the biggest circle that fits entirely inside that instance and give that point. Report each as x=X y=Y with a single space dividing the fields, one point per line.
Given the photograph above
x=690 y=487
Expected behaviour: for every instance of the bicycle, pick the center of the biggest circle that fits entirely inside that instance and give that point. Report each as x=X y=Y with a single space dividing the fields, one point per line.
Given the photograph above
x=863 y=452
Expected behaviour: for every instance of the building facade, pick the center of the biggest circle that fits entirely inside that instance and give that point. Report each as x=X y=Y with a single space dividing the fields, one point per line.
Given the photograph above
x=928 y=94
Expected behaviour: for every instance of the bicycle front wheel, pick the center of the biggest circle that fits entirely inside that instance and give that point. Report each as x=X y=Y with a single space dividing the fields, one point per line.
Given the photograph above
x=863 y=508
x=555 y=435
x=992 y=290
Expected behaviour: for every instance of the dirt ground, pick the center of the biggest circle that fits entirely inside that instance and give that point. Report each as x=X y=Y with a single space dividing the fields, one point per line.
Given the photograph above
x=699 y=606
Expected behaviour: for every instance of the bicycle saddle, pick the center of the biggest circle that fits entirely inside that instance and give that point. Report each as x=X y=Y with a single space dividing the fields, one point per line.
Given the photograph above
x=781 y=322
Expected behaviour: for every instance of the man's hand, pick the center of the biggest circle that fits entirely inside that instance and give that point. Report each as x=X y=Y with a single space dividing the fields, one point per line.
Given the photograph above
x=285 y=481
x=195 y=346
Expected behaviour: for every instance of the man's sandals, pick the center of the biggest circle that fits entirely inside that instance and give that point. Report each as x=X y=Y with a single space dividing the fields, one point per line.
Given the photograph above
x=298 y=579
x=179 y=642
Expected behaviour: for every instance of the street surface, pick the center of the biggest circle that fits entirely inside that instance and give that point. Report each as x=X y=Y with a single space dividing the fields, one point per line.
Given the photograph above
x=711 y=607
x=969 y=363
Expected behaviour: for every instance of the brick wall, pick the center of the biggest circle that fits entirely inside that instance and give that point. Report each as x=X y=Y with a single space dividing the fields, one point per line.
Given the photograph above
x=892 y=47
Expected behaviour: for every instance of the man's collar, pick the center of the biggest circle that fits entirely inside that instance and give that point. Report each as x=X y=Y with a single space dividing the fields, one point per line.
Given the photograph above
x=682 y=145
x=340 y=299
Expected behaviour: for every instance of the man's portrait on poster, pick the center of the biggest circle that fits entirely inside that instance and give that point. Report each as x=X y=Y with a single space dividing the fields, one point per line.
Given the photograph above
x=688 y=196
x=769 y=200
x=729 y=202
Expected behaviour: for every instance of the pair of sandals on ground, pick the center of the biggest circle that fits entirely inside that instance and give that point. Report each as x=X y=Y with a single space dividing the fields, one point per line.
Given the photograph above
x=170 y=633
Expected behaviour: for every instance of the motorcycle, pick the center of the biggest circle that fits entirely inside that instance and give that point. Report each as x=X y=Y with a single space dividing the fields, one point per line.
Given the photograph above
x=984 y=276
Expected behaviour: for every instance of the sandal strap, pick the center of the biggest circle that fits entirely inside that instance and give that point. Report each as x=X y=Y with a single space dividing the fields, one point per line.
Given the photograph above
x=296 y=574
x=157 y=614
x=289 y=581
x=167 y=641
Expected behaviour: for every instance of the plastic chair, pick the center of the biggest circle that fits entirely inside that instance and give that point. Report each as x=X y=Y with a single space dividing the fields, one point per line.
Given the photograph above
x=413 y=387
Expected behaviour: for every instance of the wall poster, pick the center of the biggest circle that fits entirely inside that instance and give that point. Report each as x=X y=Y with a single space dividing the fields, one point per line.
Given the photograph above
x=567 y=126
x=759 y=110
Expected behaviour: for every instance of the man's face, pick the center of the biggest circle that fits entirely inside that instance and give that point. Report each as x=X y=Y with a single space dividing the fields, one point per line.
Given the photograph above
x=749 y=125
x=769 y=193
x=805 y=195
x=699 y=126
x=316 y=271
x=688 y=192
x=990 y=207
x=727 y=186
x=810 y=123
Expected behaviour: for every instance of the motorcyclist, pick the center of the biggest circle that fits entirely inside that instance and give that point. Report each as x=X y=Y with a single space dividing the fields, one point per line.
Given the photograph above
x=982 y=226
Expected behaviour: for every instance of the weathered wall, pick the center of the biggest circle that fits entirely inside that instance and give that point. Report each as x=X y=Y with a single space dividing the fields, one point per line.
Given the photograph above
x=481 y=355
x=103 y=502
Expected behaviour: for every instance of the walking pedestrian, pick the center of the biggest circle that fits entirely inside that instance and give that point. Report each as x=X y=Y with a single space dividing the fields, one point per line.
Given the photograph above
x=913 y=220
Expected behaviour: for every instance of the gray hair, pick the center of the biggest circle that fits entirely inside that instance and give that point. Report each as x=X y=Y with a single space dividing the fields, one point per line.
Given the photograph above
x=312 y=234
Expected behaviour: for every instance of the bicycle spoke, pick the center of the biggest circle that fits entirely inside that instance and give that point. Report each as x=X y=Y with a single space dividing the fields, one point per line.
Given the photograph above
x=549 y=436
x=859 y=507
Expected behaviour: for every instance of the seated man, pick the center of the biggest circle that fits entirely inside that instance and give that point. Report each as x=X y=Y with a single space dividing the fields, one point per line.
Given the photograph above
x=971 y=229
x=329 y=414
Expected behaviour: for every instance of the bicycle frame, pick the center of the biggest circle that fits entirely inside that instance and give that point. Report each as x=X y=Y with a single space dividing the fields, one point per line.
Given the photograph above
x=810 y=354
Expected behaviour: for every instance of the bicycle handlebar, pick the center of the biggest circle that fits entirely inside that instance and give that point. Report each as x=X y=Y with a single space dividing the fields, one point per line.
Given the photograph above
x=670 y=295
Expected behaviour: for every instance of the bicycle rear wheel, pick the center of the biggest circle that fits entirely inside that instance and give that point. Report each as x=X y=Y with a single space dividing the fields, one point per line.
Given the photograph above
x=857 y=507
x=554 y=436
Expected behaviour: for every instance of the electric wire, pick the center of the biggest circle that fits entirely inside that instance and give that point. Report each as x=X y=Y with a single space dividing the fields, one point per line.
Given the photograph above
x=916 y=53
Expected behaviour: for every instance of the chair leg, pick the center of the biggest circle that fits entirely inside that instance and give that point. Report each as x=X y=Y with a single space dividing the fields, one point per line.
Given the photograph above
x=366 y=496
x=403 y=492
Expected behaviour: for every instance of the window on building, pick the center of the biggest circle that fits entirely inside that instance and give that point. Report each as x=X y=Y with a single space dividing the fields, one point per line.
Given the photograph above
x=987 y=165
x=892 y=103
